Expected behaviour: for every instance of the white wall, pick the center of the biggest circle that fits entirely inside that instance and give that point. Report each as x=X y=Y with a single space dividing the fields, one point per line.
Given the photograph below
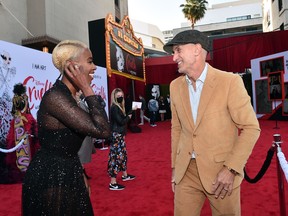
x=60 y=19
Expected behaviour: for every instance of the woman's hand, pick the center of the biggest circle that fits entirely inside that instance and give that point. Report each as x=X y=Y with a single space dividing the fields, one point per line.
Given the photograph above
x=78 y=78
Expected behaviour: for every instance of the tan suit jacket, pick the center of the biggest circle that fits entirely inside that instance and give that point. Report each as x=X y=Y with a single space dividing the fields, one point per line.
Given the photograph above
x=224 y=108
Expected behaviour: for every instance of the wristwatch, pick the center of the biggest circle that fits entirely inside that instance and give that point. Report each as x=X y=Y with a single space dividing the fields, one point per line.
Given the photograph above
x=231 y=170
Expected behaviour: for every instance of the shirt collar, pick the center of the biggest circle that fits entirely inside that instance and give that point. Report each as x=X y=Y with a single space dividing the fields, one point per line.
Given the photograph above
x=201 y=78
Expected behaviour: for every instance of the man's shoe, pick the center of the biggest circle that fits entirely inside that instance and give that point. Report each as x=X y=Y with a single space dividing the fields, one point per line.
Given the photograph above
x=128 y=177
x=116 y=186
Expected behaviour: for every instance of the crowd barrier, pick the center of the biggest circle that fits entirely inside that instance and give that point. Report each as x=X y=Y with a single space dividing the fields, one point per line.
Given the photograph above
x=282 y=170
x=15 y=147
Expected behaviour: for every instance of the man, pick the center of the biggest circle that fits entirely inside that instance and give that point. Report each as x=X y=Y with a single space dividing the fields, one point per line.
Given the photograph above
x=153 y=107
x=142 y=110
x=214 y=130
x=167 y=101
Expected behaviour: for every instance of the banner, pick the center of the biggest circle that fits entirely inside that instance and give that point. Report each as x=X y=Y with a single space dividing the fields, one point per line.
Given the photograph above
x=36 y=71
x=99 y=85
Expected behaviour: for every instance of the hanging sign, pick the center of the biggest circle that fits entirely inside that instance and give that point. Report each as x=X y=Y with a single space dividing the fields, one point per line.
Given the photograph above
x=124 y=51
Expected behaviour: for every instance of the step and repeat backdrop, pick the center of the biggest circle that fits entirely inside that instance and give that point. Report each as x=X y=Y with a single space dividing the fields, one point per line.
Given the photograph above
x=36 y=71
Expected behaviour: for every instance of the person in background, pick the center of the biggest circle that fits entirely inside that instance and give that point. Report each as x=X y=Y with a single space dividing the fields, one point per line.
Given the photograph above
x=214 y=129
x=142 y=110
x=128 y=109
x=117 y=161
x=87 y=147
x=153 y=108
x=54 y=183
x=167 y=102
x=162 y=108
x=22 y=127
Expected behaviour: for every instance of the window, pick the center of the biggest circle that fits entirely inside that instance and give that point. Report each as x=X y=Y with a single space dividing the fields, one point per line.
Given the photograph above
x=217 y=33
x=280 y=5
x=268 y=18
x=233 y=19
x=116 y=2
x=251 y=29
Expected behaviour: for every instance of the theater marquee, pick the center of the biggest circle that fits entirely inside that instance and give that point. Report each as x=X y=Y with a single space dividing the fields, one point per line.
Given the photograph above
x=124 y=51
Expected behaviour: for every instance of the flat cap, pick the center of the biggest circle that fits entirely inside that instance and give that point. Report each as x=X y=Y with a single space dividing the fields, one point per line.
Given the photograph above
x=186 y=37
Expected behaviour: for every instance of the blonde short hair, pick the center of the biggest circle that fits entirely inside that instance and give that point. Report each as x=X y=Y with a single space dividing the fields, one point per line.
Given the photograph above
x=66 y=50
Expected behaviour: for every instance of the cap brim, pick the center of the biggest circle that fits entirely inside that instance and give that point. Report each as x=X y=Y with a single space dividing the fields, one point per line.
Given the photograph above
x=168 y=47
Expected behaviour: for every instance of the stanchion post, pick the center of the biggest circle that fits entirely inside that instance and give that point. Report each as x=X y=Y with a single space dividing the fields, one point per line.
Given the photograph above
x=277 y=142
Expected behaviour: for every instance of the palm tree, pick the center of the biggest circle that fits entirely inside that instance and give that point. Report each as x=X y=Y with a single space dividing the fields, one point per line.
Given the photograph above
x=194 y=10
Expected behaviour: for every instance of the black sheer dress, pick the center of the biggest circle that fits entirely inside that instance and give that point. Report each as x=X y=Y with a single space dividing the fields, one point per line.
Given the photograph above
x=54 y=183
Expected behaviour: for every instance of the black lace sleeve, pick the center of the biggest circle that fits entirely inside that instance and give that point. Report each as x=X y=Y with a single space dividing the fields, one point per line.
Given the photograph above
x=58 y=110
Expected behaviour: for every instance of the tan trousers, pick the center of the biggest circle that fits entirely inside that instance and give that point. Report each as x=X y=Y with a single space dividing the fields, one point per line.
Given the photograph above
x=190 y=196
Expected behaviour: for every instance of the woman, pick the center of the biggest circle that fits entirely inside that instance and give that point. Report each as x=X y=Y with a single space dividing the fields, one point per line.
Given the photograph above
x=54 y=182
x=118 y=155
x=22 y=126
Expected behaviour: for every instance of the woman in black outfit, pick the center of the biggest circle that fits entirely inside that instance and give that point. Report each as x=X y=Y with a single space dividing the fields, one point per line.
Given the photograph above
x=118 y=155
x=54 y=183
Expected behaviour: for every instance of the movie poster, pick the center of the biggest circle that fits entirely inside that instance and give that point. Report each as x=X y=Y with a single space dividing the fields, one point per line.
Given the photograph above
x=36 y=71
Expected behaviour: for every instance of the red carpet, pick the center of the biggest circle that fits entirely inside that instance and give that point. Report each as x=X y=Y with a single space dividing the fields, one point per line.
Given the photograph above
x=150 y=193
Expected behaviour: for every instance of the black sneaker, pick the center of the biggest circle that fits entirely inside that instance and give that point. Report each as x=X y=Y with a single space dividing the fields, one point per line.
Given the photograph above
x=116 y=187
x=128 y=177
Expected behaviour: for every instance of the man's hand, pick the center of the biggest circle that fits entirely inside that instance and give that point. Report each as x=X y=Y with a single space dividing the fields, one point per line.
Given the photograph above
x=223 y=183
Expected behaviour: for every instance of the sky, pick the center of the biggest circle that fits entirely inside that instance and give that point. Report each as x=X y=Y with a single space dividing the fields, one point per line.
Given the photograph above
x=166 y=14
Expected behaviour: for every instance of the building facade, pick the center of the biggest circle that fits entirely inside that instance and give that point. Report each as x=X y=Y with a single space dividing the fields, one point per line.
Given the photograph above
x=232 y=17
x=275 y=15
x=152 y=38
x=41 y=24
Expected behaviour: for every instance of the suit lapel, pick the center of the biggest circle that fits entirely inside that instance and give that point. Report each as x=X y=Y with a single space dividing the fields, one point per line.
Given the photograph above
x=207 y=92
x=185 y=98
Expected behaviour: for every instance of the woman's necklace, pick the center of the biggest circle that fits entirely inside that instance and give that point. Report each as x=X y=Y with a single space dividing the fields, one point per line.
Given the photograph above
x=76 y=98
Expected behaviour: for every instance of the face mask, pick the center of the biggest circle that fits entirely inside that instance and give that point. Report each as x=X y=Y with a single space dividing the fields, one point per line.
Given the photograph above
x=120 y=99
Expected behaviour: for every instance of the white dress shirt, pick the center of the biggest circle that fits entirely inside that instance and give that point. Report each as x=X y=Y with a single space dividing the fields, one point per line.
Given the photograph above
x=194 y=95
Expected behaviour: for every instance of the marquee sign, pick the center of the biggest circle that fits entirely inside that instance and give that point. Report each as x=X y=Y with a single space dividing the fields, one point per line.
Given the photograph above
x=124 y=51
